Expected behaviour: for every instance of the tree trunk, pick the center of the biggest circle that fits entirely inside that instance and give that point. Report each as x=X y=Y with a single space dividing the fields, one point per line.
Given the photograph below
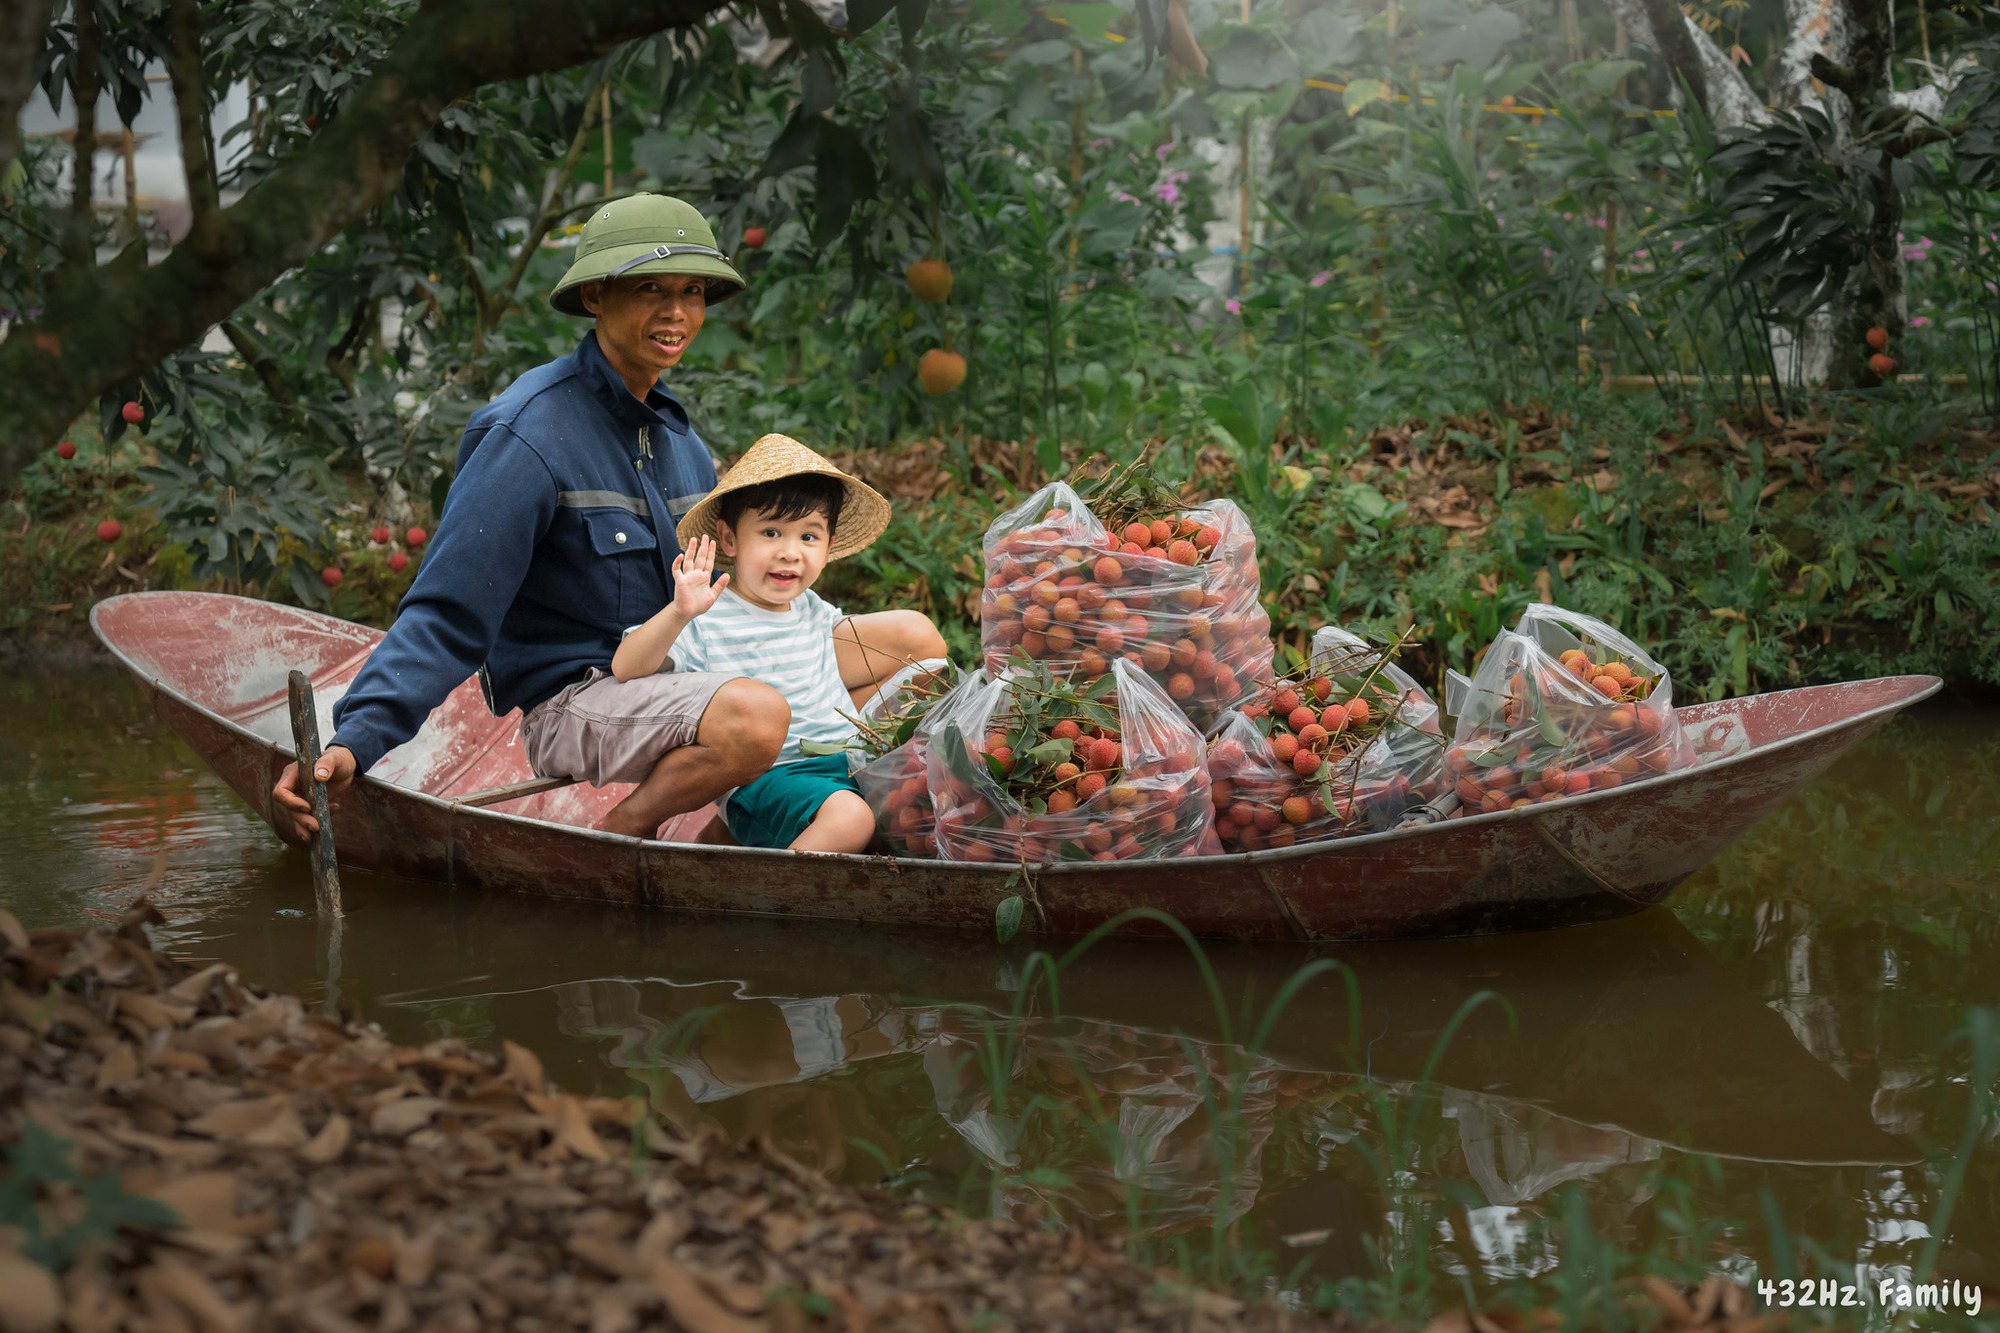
x=1836 y=58
x=22 y=26
x=1873 y=295
x=104 y=325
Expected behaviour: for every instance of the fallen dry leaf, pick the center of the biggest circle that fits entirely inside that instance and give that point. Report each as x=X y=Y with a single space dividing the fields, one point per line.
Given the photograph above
x=30 y=1300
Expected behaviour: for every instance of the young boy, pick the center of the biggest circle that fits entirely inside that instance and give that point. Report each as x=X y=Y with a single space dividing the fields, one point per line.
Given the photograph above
x=782 y=513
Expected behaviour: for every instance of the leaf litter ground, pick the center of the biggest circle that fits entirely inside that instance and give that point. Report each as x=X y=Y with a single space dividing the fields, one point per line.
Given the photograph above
x=197 y=1155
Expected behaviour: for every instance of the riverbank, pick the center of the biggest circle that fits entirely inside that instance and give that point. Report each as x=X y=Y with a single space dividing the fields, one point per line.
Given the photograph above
x=195 y=1153
x=1750 y=550
x=181 y=1150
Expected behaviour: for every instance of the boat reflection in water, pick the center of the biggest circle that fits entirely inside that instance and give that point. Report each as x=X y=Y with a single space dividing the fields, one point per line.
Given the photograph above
x=1437 y=1112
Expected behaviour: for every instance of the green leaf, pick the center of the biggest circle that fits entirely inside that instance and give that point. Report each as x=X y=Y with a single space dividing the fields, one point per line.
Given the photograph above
x=1007 y=917
x=1368 y=502
x=1250 y=59
x=819 y=749
x=843 y=175
x=1550 y=732
x=1092 y=23
x=818 y=88
x=865 y=14
x=795 y=146
x=1476 y=41
x=1048 y=752
x=1361 y=92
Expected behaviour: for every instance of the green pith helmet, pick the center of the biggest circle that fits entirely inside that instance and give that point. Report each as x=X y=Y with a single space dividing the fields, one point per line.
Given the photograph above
x=645 y=233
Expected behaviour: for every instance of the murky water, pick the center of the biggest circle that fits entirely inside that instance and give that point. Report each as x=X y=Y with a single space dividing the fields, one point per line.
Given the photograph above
x=1777 y=1050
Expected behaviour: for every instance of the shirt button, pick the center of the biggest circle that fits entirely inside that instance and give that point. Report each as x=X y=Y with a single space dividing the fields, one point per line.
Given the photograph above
x=619 y=538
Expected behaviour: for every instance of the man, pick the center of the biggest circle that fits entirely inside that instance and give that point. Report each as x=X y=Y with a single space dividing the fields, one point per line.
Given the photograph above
x=557 y=535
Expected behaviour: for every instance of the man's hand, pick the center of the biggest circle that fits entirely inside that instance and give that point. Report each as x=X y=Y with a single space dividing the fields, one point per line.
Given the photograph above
x=694 y=569
x=291 y=812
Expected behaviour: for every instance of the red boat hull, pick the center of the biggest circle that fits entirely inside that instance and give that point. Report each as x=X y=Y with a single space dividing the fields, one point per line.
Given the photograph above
x=214 y=668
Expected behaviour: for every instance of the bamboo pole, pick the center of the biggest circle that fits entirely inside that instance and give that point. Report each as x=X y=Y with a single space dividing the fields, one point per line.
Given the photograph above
x=305 y=740
x=604 y=116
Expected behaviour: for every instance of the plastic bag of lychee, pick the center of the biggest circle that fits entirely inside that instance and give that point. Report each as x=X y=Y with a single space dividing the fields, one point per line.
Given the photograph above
x=1562 y=704
x=887 y=763
x=1348 y=745
x=1046 y=769
x=1175 y=595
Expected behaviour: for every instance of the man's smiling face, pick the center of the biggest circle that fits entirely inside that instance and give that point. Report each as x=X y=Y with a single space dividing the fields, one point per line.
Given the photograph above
x=645 y=323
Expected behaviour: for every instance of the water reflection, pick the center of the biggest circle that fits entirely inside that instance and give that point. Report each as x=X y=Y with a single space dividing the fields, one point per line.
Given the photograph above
x=1783 y=1033
x=1121 y=1097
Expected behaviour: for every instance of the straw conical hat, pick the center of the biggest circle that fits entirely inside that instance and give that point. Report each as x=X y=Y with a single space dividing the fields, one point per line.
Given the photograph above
x=863 y=514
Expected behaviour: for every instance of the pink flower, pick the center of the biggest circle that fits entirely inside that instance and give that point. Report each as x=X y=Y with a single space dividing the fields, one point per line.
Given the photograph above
x=1322 y=278
x=1167 y=192
x=1915 y=253
x=1548 y=253
x=1918 y=321
x=1162 y=151
x=1233 y=306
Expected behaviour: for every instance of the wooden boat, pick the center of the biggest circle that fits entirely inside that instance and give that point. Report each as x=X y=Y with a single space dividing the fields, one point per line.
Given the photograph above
x=214 y=668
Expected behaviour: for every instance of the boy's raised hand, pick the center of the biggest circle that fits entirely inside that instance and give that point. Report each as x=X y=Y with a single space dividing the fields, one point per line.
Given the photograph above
x=695 y=587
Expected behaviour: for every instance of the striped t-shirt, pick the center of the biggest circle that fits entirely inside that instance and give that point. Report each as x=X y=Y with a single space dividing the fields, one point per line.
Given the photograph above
x=791 y=651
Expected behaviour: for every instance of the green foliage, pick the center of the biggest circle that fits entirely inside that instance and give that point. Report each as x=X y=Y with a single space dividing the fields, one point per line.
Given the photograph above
x=38 y=1169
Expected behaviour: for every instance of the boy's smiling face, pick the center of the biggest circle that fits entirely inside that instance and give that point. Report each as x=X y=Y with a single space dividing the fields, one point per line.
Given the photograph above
x=776 y=559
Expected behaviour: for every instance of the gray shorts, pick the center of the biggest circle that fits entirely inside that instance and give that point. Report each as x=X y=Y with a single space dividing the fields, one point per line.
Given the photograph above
x=603 y=730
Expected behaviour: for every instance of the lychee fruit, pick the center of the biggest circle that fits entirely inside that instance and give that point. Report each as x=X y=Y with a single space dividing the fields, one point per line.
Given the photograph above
x=929 y=280
x=379 y=535
x=416 y=536
x=754 y=238
x=133 y=413
x=398 y=561
x=331 y=576
x=110 y=530
x=66 y=451
x=1878 y=339
x=940 y=370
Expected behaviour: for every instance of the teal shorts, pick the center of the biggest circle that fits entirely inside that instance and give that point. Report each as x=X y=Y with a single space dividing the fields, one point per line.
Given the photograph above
x=775 y=809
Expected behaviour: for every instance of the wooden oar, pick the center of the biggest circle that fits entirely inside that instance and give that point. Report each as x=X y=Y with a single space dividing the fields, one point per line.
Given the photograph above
x=512 y=791
x=305 y=740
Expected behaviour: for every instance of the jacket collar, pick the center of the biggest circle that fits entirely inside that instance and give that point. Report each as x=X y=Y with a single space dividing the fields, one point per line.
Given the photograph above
x=660 y=408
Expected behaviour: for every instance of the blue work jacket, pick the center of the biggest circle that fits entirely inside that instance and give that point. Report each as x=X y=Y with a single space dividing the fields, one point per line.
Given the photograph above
x=557 y=534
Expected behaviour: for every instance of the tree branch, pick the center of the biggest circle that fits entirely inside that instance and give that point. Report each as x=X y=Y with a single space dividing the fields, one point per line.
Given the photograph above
x=1729 y=98
x=263 y=363
x=23 y=27
x=545 y=217
x=1670 y=31
x=1842 y=77
x=97 y=330
x=78 y=252
x=191 y=105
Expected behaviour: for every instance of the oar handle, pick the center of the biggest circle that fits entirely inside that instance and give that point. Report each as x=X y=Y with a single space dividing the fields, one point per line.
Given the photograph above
x=305 y=739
